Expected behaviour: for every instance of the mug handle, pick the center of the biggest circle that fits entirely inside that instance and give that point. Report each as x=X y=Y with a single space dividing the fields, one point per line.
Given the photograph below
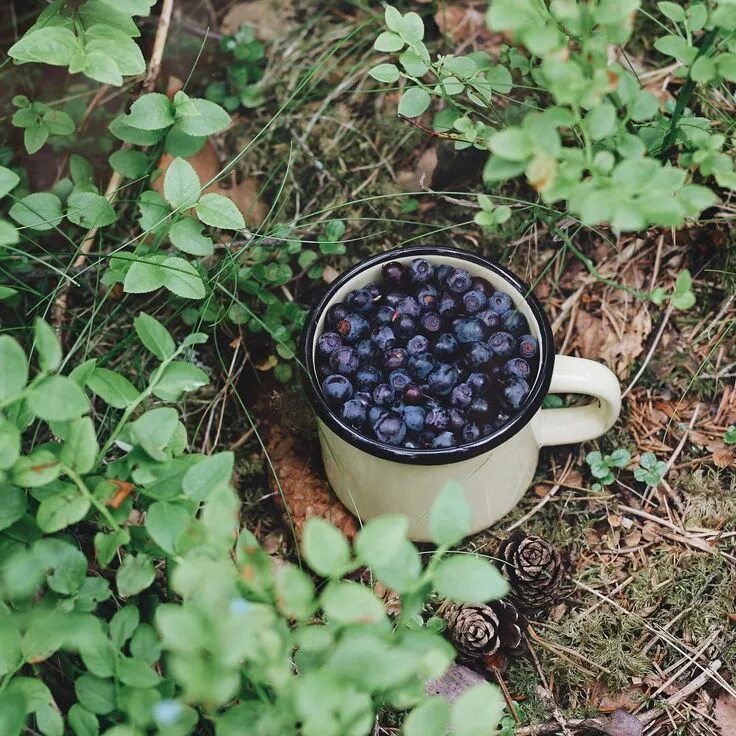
x=579 y=423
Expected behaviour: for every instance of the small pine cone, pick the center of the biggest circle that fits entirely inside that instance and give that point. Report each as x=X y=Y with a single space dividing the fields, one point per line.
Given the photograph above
x=534 y=569
x=484 y=631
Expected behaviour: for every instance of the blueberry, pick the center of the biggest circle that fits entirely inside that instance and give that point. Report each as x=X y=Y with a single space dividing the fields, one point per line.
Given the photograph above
x=399 y=380
x=360 y=300
x=427 y=297
x=414 y=418
x=365 y=398
x=470 y=329
x=482 y=284
x=479 y=408
x=489 y=318
x=394 y=297
x=514 y=393
x=412 y=394
x=486 y=429
x=528 y=347
x=353 y=328
x=383 y=337
x=420 y=271
x=390 y=429
x=324 y=370
x=345 y=360
x=425 y=438
x=354 y=413
x=503 y=345
x=448 y=305
x=459 y=280
x=335 y=313
x=500 y=420
x=374 y=289
x=394 y=273
x=515 y=323
x=501 y=302
x=461 y=396
x=471 y=432
x=411 y=445
x=437 y=419
x=375 y=413
x=384 y=315
x=443 y=440
x=446 y=346
x=337 y=389
x=405 y=327
x=367 y=378
x=441 y=274
x=516 y=368
x=430 y=323
x=479 y=384
x=442 y=380
x=474 y=301
x=457 y=419
x=478 y=355
x=417 y=344
x=394 y=358
x=384 y=394
x=367 y=352
x=420 y=366
x=409 y=306
x=327 y=343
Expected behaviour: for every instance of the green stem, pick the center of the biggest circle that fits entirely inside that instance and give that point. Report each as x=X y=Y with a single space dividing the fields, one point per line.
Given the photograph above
x=79 y=483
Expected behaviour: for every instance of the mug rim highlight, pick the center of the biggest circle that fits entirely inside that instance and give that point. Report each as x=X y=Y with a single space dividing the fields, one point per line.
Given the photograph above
x=449 y=455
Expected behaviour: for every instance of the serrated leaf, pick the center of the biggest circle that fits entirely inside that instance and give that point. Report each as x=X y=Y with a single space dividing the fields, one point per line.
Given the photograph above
x=154 y=336
x=186 y=235
x=144 y=275
x=182 y=278
x=219 y=211
x=131 y=164
x=90 y=210
x=177 y=378
x=53 y=45
x=198 y=117
x=40 y=211
x=181 y=184
x=47 y=346
x=57 y=399
x=112 y=388
x=150 y=112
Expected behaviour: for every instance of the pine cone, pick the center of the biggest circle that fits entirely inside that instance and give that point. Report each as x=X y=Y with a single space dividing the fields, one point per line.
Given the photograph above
x=533 y=567
x=484 y=631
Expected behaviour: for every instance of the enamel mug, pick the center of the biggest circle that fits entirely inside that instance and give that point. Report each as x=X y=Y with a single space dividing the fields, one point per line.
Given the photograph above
x=371 y=478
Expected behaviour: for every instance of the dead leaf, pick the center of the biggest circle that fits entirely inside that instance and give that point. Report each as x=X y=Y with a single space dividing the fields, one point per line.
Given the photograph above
x=724 y=714
x=620 y=723
x=607 y=701
x=421 y=177
x=454 y=682
x=723 y=456
x=462 y=23
x=268 y=18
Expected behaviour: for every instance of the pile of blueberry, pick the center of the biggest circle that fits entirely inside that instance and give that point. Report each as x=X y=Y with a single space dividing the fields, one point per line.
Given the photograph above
x=431 y=357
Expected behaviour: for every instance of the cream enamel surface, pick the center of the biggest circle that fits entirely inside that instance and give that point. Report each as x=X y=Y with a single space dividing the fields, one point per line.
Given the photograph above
x=493 y=482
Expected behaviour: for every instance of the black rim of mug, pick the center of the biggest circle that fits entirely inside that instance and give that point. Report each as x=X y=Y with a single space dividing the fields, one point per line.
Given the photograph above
x=430 y=456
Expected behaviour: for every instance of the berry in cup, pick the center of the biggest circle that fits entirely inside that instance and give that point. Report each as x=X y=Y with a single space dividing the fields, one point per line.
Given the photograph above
x=429 y=357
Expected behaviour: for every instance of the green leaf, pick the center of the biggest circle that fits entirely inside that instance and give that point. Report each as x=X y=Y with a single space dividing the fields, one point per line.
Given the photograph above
x=80 y=448
x=325 y=549
x=684 y=282
x=107 y=544
x=388 y=73
x=414 y=102
x=677 y=47
x=683 y=301
x=618 y=458
x=381 y=539
x=151 y=112
x=154 y=430
x=8 y=236
x=90 y=210
x=154 y=336
x=136 y=673
x=131 y=164
x=673 y=11
x=182 y=278
x=177 y=378
x=725 y=63
x=134 y=575
x=82 y=722
x=703 y=69
x=392 y=18
x=468 y=579
x=13 y=505
x=61 y=510
x=57 y=399
x=144 y=275
x=58 y=122
x=207 y=475
x=179 y=143
x=388 y=42
x=294 y=592
x=411 y=27
x=40 y=211
x=9 y=444
x=350 y=603
x=511 y=144
x=34 y=136
x=14 y=373
x=186 y=235
x=181 y=184
x=449 y=516
x=95 y=694
x=216 y=210
x=600 y=122
x=478 y=710
x=47 y=346
x=431 y=718
x=199 y=117
x=8 y=180
x=53 y=45
x=112 y=388
x=164 y=522
x=12 y=714
x=123 y=625
x=35 y=470
x=124 y=132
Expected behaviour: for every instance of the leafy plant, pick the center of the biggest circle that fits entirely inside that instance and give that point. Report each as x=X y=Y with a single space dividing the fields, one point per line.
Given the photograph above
x=730 y=436
x=602 y=466
x=650 y=470
x=39 y=121
x=602 y=145
x=244 y=73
